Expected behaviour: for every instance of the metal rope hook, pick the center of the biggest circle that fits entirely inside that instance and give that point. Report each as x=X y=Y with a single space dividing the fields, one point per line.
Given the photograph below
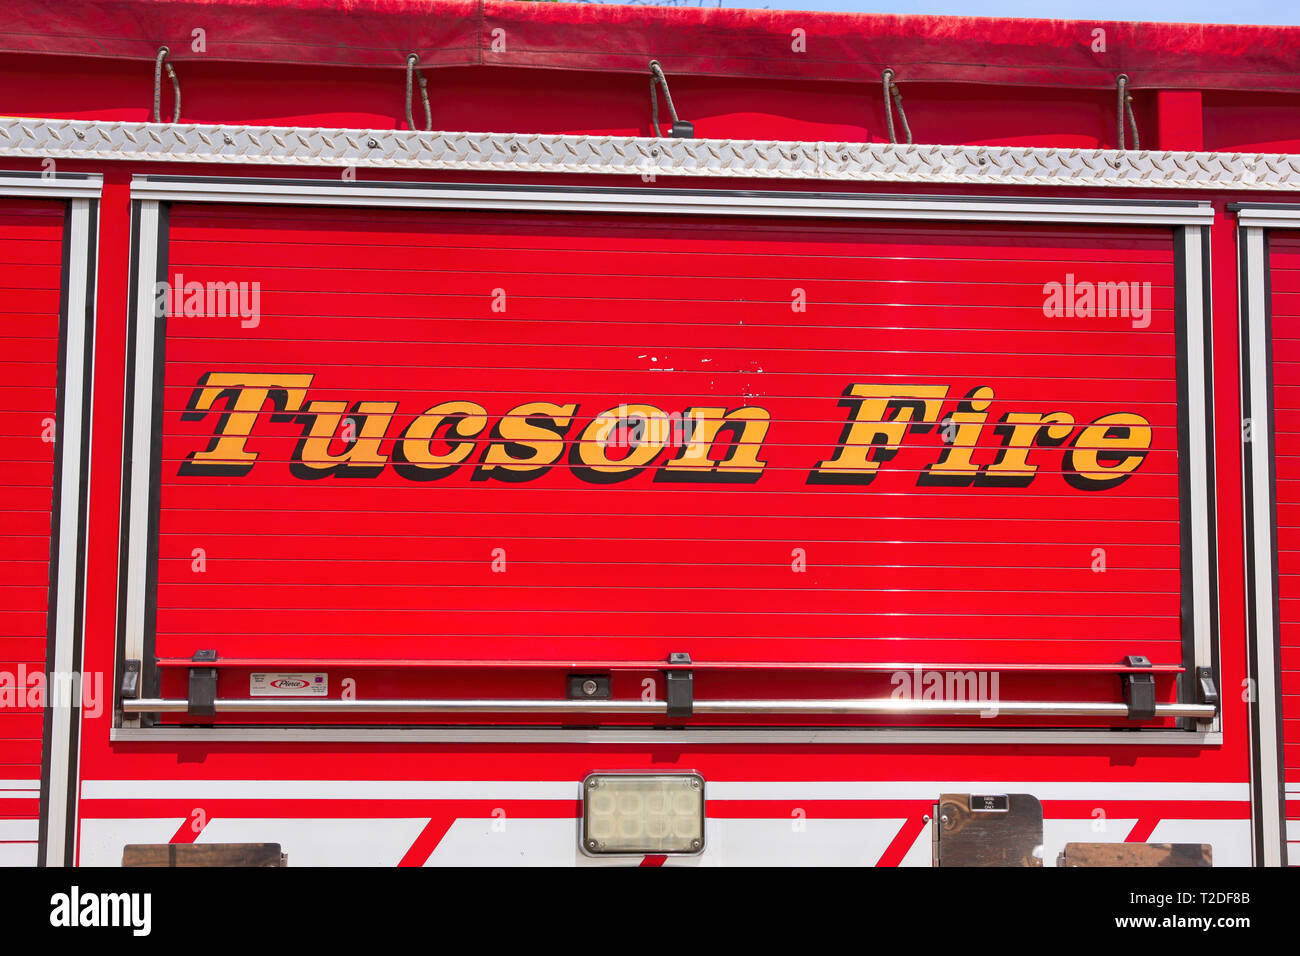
x=680 y=129
x=1124 y=106
x=411 y=62
x=891 y=89
x=158 y=65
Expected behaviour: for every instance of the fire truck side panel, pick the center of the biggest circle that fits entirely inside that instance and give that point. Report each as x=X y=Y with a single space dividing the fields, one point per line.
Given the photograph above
x=437 y=802
x=383 y=555
x=776 y=802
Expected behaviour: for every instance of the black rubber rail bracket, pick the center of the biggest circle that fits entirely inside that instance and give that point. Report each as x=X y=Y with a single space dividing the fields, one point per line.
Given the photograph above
x=203 y=685
x=130 y=689
x=1209 y=693
x=679 y=687
x=1139 y=689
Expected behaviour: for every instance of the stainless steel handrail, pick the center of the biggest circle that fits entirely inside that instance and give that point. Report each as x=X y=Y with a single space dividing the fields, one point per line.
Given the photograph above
x=379 y=706
x=858 y=706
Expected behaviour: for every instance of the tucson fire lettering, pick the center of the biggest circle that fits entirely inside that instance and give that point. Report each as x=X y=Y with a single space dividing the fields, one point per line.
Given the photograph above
x=701 y=443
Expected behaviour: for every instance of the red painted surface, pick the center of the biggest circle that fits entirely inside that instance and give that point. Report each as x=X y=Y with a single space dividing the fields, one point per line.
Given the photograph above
x=31 y=238
x=427 y=841
x=189 y=831
x=505 y=67
x=1141 y=831
x=1180 y=122
x=763 y=44
x=908 y=834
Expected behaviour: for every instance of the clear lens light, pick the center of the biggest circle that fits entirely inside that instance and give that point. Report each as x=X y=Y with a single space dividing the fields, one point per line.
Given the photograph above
x=643 y=813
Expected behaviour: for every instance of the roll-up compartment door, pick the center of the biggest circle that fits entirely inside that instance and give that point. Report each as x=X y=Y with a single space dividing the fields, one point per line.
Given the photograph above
x=502 y=439
x=31 y=244
x=1284 y=281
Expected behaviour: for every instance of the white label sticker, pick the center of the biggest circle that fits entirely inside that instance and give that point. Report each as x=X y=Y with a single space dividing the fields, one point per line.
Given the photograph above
x=288 y=685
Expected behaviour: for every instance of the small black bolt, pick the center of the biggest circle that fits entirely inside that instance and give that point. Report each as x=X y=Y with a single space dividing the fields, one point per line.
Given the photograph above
x=373 y=143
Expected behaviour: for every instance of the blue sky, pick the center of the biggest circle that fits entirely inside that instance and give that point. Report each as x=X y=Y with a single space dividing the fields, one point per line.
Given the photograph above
x=1178 y=11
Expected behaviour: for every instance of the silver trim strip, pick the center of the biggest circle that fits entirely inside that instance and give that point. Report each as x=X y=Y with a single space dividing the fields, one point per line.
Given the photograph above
x=1260 y=450
x=63 y=712
x=150 y=191
x=51 y=186
x=1199 y=401
x=146 y=257
x=643 y=201
x=882 y=706
x=1276 y=217
x=644 y=156
x=639 y=736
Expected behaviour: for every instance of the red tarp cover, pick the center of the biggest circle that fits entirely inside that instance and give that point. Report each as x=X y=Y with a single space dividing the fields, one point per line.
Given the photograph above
x=718 y=42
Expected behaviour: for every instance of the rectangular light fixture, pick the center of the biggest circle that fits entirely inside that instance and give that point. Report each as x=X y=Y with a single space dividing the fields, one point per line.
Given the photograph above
x=642 y=813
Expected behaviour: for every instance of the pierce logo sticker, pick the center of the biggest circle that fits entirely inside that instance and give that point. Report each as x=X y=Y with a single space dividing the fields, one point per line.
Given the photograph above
x=288 y=685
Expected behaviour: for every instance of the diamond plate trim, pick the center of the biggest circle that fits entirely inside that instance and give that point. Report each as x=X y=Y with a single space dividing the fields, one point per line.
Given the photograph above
x=647 y=157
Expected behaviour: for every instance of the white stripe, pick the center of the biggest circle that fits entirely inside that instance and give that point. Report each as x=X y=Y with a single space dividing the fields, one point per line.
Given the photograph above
x=18 y=854
x=570 y=789
x=102 y=840
x=331 y=789
x=930 y=790
x=20 y=785
x=18 y=831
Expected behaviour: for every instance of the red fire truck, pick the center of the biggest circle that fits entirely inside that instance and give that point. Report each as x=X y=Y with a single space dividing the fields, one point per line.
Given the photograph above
x=449 y=432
